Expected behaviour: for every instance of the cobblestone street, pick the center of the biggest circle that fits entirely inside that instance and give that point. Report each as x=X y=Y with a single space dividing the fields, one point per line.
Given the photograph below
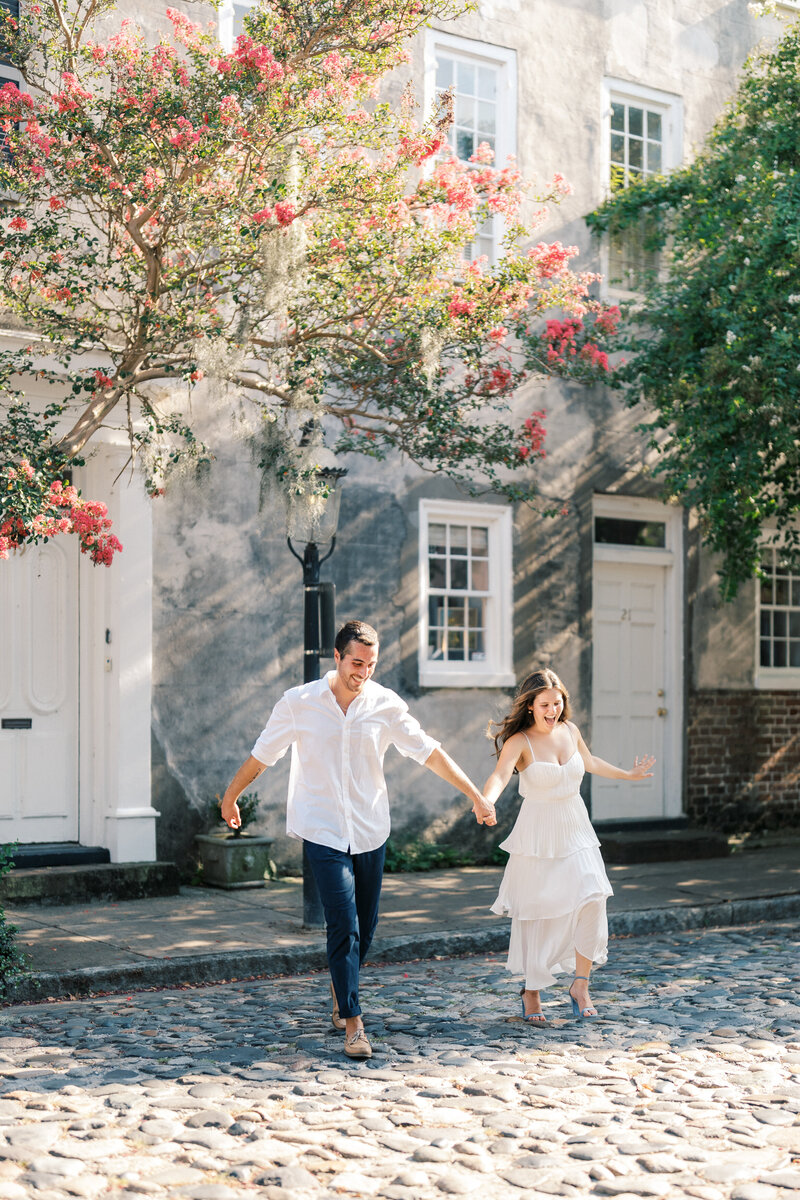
x=690 y=1085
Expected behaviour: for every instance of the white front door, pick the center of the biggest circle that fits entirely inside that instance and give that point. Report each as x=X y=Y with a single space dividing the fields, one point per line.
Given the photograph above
x=631 y=711
x=39 y=694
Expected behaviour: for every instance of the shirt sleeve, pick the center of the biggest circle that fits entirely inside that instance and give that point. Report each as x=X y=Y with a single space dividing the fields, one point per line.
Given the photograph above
x=277 y=735
x=410 y=738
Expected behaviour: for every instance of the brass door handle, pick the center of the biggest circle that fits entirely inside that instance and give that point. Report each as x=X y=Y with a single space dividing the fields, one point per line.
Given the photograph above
x=661 y=712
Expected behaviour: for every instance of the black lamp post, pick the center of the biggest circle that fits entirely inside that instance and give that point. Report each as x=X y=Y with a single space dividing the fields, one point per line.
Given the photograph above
x=312 y=520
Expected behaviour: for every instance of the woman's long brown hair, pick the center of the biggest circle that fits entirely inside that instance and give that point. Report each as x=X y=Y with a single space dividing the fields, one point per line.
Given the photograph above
x=520 y=717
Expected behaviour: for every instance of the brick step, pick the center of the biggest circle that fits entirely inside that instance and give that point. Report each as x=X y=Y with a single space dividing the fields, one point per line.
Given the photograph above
x=661 y=845
x=98 y=881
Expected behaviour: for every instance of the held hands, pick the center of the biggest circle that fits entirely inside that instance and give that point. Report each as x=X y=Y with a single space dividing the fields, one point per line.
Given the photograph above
x=484 y=812
x=641 y=767
x=230 y=813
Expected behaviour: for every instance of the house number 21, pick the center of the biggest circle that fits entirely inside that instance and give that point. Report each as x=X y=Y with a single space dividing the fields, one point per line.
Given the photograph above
x=626 y=614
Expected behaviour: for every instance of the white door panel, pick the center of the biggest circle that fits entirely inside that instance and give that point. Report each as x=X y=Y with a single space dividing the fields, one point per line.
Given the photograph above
x=39 y=686
x=629 y=670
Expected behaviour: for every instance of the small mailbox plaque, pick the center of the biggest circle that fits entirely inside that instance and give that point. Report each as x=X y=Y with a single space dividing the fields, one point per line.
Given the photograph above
x=17 y=722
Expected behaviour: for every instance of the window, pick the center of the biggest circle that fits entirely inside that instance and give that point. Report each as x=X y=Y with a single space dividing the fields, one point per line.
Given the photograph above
x=779 y=612
x=643 y=137
x=465 y=595
x=231 y=20
x=482 y=79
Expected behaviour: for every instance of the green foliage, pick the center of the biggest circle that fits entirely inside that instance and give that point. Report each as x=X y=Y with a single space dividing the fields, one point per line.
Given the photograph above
x=714 y=346
x=416 y=855
x=248 y=804
x=12 y=960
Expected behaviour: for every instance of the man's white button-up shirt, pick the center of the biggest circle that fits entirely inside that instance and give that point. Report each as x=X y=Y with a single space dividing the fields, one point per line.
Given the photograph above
x=337 y=790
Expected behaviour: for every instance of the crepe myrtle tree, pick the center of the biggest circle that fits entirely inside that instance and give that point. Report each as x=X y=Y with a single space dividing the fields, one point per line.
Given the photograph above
x=259 y=216
x=714 y=345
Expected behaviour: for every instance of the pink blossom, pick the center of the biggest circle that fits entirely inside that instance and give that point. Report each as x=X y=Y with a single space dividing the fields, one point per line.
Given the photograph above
x=18 y=223
x=284 y=213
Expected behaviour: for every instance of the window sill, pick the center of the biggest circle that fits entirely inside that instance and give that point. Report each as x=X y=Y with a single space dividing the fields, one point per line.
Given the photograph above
x=778 y=679
x=466 y=677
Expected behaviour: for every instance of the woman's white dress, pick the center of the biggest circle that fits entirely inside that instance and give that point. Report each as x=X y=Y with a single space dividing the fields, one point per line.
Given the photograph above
x=555 y=885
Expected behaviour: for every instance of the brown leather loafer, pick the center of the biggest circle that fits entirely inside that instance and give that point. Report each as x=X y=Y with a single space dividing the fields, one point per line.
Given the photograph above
x=357 y=1045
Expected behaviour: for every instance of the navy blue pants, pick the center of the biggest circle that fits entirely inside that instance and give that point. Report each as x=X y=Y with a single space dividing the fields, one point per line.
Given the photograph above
x=350 y=890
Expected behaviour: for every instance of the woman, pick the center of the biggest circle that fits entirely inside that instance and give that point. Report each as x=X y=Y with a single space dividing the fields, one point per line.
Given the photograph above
x=555 y=885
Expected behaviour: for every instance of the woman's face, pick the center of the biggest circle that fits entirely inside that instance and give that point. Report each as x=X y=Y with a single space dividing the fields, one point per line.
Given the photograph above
x=546 y=709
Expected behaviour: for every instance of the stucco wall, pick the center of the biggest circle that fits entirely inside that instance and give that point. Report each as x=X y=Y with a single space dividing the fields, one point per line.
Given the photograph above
x=228 y=597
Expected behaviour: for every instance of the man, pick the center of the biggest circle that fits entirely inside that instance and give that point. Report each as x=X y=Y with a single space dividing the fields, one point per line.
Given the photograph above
x=339 y=728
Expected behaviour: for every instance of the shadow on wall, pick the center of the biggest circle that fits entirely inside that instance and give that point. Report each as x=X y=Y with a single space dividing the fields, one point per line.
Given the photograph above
x=178 y=820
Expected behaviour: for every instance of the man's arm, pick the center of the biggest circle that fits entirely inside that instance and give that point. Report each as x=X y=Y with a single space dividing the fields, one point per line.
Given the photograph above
x=247 y=772
x=443 y=765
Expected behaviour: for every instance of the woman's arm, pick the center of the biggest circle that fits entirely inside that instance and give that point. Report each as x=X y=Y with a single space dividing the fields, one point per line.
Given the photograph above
x=500 y=776
x=599 y=766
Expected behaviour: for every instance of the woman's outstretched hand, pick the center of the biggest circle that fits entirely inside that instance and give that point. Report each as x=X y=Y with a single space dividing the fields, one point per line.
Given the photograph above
x=641 y=768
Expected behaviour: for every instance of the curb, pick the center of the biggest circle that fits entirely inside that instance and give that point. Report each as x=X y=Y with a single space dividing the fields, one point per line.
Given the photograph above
x=229 y=966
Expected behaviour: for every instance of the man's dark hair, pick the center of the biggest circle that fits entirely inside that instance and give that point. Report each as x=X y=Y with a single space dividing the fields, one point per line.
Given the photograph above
x=355 y=631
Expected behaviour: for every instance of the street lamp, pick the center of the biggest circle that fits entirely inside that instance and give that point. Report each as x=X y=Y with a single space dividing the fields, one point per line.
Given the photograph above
x=311 y=520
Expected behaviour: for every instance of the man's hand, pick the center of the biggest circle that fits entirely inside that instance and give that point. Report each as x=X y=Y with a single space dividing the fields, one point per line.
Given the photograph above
x=230 y=812
x=484 y=812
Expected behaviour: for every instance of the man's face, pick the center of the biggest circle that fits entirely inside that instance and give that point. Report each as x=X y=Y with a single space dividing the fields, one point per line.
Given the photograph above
x=356 y=665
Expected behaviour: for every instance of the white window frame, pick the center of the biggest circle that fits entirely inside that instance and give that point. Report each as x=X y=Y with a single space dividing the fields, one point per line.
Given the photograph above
x=497 y=670
x=773 y=678
x=505 y=60
x=225 y=21
x=671 y=108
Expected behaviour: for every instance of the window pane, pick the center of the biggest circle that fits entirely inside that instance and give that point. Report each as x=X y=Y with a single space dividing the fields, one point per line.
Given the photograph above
x=487 y=117
x=654 y=125
x=782 y=591
x=794 y=654
x=436 y=644
x=779 y=624
x=618 y=149
x=635 y=156
x=455 y=616
x=455 y=645
x=458 y=574
x=465 y=112
x=437 y=539
x=458 y=539
x=436 y=610
x=618 y=117
x=487 y=83
x=477 y=609
x=438 y=573
x=653 y=156
x=779 y=654
x=636 y=122
x=477 y=650
x=465 y=144
x=794 y=624
x=619 y=531
x=480 y=574
x=479 y=539
x=766 y=591
x=444 y=73
x=766 y=622
x=796 y=593
x=465 y=78
x=765 y=658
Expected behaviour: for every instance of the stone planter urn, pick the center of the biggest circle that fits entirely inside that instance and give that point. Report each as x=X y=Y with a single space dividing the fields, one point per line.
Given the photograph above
x=239 y=860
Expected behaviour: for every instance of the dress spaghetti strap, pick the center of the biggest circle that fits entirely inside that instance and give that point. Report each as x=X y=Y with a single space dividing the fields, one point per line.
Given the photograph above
x=530 y=747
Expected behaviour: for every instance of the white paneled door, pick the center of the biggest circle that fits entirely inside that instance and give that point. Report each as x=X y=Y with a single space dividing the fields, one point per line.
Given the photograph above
x=631 y=708
x=39 y=694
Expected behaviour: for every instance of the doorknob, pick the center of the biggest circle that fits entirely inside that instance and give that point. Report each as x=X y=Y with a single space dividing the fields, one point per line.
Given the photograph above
x=660 y=692
x=661 y=712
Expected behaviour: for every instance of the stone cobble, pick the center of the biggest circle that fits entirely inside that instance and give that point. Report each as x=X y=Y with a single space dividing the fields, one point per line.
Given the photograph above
x=688 y=1086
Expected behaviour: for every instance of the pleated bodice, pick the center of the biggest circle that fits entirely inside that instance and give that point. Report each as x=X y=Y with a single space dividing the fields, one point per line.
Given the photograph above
x=552 y=821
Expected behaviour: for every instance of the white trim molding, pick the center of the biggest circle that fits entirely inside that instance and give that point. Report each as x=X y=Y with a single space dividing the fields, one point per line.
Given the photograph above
x=496 y=670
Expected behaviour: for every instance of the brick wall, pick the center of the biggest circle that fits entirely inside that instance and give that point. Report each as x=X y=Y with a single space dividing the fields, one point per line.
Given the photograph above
x=744 y=759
